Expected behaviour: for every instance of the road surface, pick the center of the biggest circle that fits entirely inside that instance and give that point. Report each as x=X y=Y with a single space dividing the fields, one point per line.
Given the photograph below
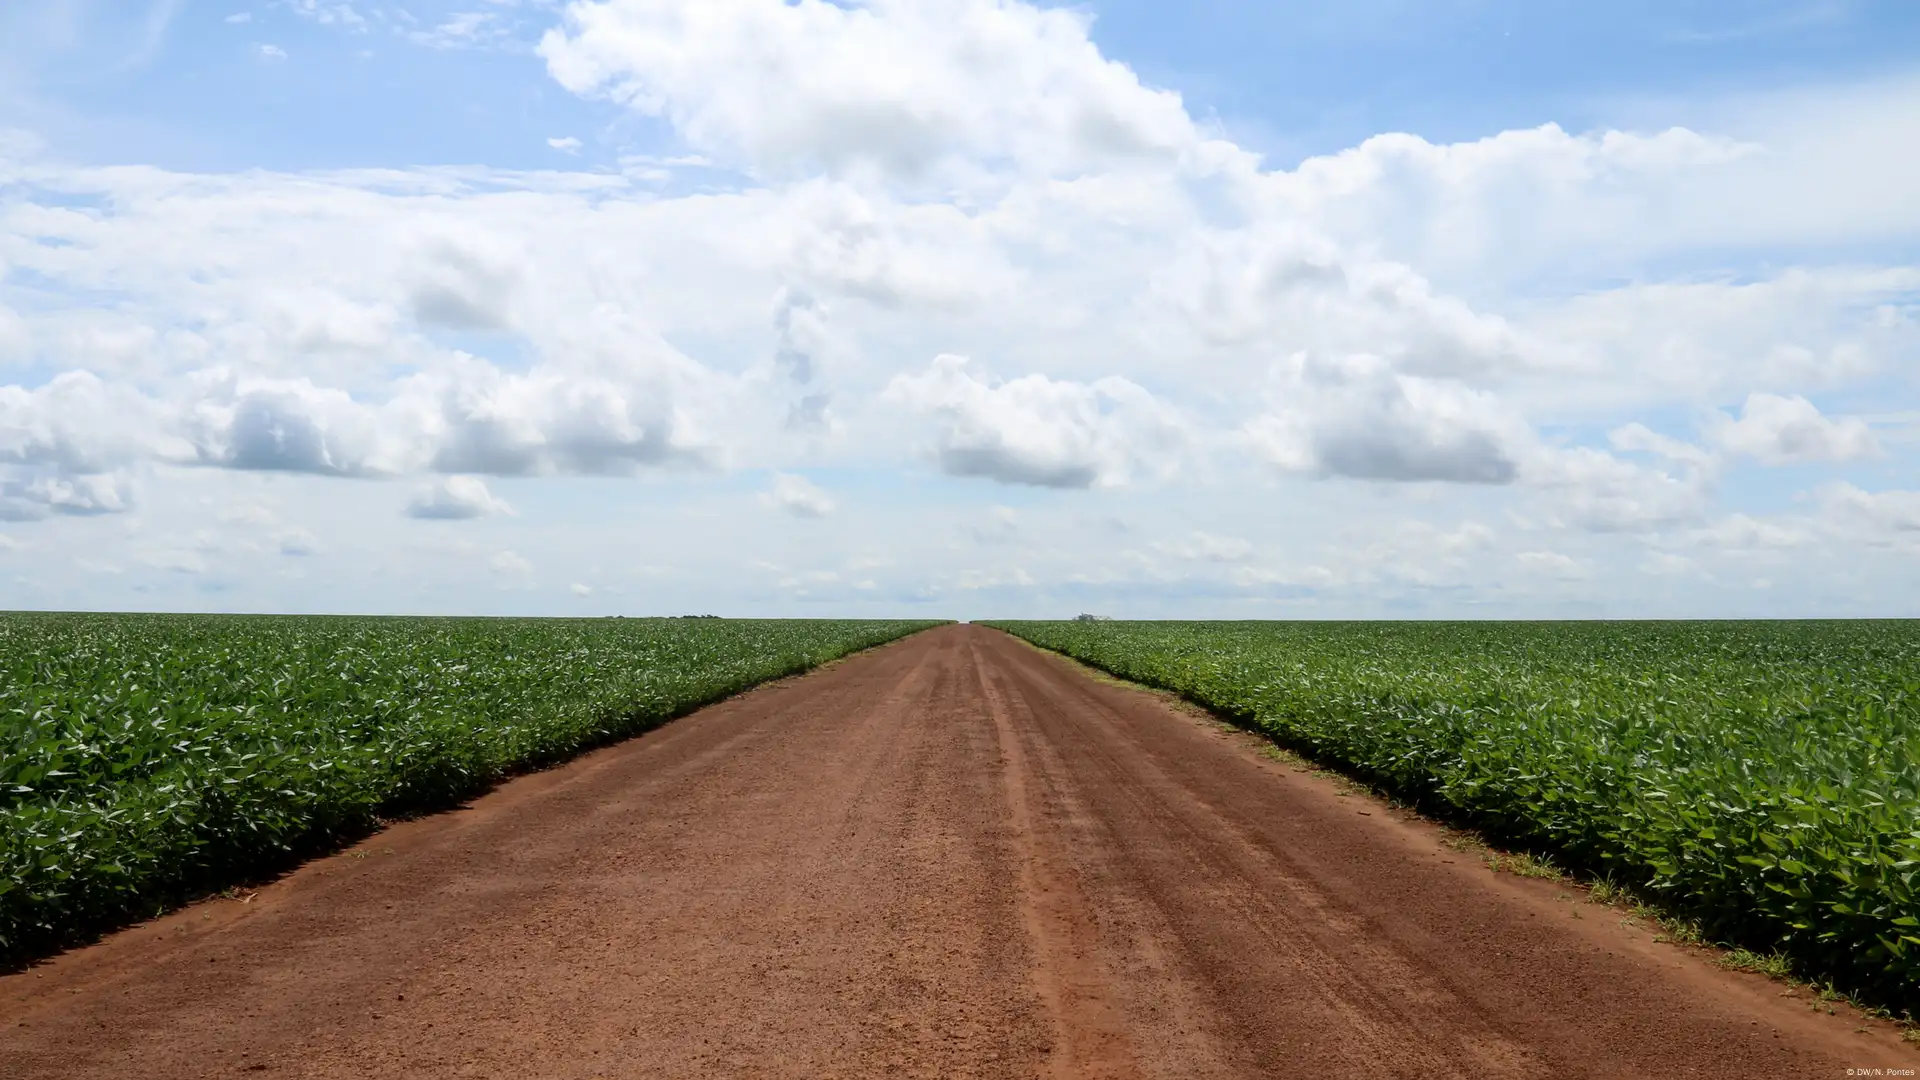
x=951 y=856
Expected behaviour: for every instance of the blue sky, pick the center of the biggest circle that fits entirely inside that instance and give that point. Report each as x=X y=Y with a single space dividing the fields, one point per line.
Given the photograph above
x=961 y=306
x=181 y=86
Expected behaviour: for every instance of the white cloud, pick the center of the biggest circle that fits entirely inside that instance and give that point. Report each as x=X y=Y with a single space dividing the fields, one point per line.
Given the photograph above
x=1354 y=416
x=1638 y=438
x=1877 y=516
x=1509 y=199
x=1587 y=489
x=549 y=421
x=998 y=525
x=254 y=526
x=76 y=423
x=895 y=87
x=173 y=561
x=978 y=579
x=239 y=18
x=328 y=13
x=579 y=590
x=1040 y=431
x=456 y=498
x=65 y=447
x=32 y=497
x=1708 y=339
x=798 y=496
x=463 y=30
x=1668 y=564
x=465 y=417
x=288 y=426
x=510 y=565
x=1779 y=430
x=1743 y=532
x=1290 y=289
x=1554 y=564
x=566 y=144
x=469 y=282
x=1206 y=547
x=15 y=338
x=270 y=52
x=1804 y=165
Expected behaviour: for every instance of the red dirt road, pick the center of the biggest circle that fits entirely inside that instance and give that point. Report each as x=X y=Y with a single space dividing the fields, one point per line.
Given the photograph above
x=952 y=856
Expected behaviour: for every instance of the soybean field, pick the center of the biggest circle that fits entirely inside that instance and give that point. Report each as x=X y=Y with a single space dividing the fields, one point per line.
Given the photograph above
x=145 y=759
x=1762 y=778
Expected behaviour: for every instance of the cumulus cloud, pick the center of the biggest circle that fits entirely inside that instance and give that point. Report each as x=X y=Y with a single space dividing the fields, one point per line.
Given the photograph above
x=1661 y=341
x=800 y=323
x=288 y=426
x=456 y=498
x=1777 y=430
x=1290 y=288
x=566 y=144
x=65 y=447
x=798 y=496
x=465 y=284
x=1590 y=489
x=464 y=417
x=76 y=422
x=1510 y=199
x=804 y=344
x=1040 y=431
x=1355 y=416
x=30 y=498
x=548 y=421
x=927 y=257
x=898 y=87
x=1877 y=516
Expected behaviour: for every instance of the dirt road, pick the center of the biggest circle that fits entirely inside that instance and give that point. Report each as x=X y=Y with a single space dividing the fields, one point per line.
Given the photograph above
x=952 y=856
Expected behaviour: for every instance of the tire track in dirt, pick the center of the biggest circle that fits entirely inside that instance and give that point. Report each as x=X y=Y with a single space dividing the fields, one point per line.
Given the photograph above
x=951 y=856
x=1089 y=1036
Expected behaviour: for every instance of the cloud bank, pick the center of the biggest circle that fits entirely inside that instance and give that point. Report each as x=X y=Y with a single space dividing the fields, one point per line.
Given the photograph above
x=953 y=241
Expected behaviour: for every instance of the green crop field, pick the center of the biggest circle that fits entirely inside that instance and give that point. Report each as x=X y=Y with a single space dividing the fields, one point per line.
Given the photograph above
x=147 y=758
x=1763 y=778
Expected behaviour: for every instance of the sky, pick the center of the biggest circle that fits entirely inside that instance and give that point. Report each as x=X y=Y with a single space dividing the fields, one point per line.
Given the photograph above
x=961 y=308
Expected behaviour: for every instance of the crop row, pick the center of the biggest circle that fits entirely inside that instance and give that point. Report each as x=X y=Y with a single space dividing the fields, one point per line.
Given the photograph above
x=1763 y=778
x=144 y=759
